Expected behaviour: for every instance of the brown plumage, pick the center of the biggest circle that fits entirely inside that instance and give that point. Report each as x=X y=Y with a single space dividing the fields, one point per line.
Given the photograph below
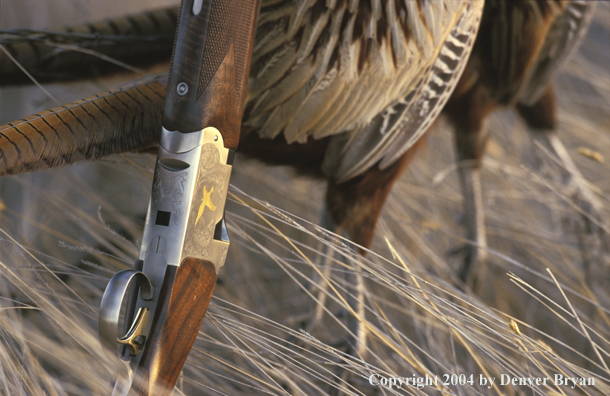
x=518 y=51
x=86 y=130
x=521 y=46
x=364 y=79
x=343 y=89
x=83 y=50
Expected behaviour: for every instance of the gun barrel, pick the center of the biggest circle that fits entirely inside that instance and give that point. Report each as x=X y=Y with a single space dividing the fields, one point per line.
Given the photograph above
x=185 y=242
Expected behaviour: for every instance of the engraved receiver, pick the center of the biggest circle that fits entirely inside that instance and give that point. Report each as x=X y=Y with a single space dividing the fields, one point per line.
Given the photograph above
x=185 y=240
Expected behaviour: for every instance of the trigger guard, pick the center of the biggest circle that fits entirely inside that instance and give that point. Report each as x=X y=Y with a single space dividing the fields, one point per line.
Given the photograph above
x=110 y=308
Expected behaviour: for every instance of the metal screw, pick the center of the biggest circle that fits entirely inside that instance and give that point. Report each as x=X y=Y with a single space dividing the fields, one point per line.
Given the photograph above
x=139 y=340
x=182 y=89
x=215 y=138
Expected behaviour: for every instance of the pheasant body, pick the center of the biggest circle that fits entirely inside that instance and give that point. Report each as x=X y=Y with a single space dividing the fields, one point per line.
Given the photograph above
x=374 y=73
x=345 y=87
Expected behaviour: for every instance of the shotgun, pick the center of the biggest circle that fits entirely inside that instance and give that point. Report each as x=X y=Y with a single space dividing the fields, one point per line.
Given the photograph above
x=185 y=240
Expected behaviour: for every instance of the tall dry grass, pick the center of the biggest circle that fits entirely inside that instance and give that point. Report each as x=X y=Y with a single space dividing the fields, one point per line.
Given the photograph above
x=540 y=309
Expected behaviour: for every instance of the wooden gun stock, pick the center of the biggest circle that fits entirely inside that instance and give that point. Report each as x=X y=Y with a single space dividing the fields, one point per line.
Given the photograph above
x=183 y=302
x=204 y=96
x=210 y=68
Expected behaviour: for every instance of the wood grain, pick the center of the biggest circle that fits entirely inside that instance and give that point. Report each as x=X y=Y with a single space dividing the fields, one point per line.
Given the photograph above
x=183 y=302
x=214 y=50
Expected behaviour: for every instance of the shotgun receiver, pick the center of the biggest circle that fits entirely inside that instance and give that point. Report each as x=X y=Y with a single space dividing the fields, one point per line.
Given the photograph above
x=185 y=240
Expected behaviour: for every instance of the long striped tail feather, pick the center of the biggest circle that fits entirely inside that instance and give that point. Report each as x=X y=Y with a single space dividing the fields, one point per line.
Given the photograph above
x=81 y=51
x=112 y=122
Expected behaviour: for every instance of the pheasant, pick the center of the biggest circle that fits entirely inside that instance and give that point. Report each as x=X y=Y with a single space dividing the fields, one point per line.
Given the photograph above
x=520 y=47
x=341 y=89
x=345 y=89
x=356 y=83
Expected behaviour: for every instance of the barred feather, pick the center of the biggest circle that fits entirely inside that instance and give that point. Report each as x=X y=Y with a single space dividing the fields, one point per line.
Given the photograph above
x=563 y=38
x=344 y=68
x=526 y=42
x=86 y=130
x=52 y=55
x=377 y=73
x=321 y=68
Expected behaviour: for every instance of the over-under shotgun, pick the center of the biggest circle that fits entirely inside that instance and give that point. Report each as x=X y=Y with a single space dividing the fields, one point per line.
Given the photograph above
x=185 y=242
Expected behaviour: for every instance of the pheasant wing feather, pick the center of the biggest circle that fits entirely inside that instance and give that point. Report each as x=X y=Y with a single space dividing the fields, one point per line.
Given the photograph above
x=400 y=124
x=376 y=72
x=564 y=36
x=527 y=42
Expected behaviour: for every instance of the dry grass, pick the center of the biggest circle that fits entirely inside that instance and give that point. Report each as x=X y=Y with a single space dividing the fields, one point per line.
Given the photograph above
x=542 y=307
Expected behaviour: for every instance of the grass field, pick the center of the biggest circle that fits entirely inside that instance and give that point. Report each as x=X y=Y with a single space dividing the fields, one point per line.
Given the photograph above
x=541 y=307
